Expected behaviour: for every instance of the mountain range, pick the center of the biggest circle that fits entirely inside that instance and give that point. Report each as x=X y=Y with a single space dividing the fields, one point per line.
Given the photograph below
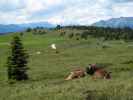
x=121 y=22
x=21 y=27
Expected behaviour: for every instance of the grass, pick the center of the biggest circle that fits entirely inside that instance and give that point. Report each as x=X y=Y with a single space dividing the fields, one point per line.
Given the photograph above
x=48 y=70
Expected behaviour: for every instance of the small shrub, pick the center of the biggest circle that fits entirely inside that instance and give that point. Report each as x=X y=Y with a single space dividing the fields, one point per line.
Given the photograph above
x=62 y=33
x=71 y=35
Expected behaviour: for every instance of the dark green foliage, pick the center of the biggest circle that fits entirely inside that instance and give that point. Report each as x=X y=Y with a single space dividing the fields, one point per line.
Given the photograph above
x=77 y=35
x=17 y=61
x=71 y=35
x=77 y=38
x=38 y=31
x=28 y=30
x=106 y=33
x=58 y=27
x=84 y=35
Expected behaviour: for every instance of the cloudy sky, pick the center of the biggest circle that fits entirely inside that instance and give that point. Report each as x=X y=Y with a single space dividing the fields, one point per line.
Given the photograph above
x=64 y=12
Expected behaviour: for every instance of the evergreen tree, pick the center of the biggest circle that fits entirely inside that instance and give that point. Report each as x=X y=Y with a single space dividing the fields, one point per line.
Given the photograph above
x=58 y=27
x=17 y=61
x=28 y=30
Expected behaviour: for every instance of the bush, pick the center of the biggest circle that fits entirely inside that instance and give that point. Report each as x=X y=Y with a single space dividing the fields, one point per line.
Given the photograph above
x=28 y=30
x=84 y=35
x=71 y=35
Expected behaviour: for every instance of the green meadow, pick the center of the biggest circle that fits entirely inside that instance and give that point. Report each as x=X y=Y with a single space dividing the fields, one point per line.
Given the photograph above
x=48 y=70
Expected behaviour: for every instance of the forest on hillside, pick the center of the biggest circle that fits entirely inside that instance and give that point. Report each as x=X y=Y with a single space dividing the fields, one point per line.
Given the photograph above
x=107 y=33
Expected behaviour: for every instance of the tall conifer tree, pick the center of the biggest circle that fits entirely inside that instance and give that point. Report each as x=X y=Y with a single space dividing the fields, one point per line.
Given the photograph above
x=17 y=61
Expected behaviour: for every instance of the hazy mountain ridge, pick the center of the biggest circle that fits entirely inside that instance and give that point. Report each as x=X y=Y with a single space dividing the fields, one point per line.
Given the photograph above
x=10 y=28
x=21 y=27
x=121 y=22
x=37 y=24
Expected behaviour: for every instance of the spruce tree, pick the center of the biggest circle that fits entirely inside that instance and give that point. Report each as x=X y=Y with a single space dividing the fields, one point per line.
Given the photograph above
x=17 y=61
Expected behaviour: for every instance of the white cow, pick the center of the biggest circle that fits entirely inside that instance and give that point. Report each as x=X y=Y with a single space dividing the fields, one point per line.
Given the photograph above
x=53 y=46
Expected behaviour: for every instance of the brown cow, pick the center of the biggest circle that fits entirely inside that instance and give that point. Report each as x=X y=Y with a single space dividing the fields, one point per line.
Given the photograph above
x=102 y=74
x=97 y=72
x=92 y=70
x=78 y=73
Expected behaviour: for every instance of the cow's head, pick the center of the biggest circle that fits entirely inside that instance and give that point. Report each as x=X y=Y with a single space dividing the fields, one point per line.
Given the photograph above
x=90 y=69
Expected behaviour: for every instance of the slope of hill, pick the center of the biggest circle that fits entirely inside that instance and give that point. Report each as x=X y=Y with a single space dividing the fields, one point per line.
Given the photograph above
x=121 y=22
x=21 y=27
x=48 y=69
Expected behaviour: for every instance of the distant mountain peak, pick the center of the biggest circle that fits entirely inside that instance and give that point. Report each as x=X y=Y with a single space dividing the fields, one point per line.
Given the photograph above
x=121 y=22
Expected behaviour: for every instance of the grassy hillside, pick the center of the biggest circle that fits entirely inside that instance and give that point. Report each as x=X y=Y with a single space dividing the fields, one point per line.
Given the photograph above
x=48 y=70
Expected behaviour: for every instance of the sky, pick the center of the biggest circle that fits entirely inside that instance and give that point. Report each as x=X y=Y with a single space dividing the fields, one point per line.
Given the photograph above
x=64 y=12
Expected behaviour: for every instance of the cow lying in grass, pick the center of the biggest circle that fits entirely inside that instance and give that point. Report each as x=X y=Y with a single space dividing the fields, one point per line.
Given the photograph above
x=92 y=70
x=78 y=73
x=97 y=72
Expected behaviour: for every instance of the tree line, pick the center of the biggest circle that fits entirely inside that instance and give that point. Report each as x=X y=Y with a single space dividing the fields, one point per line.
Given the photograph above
x=107 y=33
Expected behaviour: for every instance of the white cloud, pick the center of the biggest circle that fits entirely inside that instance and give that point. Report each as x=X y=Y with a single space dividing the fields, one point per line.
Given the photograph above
x=9 y=18
x=123 y=9
x=81 y=13
x=63 y=11
x=34 y=5
x=11 y=5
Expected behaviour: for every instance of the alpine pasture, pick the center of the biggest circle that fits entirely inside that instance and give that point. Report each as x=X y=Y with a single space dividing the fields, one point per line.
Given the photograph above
x=48 y=69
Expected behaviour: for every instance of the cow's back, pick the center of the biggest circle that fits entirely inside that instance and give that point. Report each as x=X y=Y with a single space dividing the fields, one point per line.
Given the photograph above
x=101 y=74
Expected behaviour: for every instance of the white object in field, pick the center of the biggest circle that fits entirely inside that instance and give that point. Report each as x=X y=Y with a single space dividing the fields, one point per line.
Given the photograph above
x=53 y=46
x=38 y=52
